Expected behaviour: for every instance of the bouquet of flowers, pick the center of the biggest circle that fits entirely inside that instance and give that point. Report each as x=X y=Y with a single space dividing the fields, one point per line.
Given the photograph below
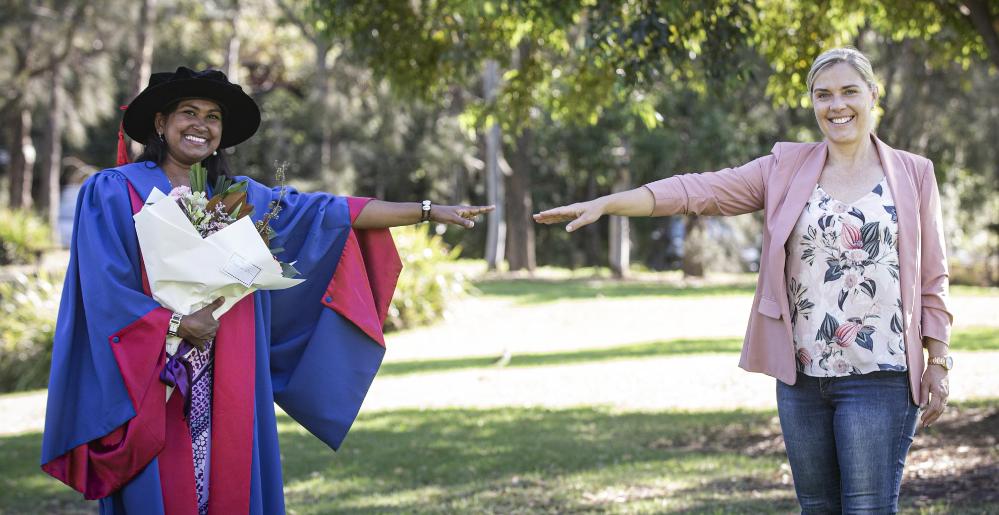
x=196 y=249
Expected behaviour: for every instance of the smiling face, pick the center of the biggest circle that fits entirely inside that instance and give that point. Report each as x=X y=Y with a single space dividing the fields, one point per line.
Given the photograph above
x=843 y=103
x=192 y=131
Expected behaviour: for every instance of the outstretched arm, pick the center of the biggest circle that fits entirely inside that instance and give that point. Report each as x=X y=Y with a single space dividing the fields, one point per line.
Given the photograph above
x=379 y=214
x=636 y=202
x=731 y=191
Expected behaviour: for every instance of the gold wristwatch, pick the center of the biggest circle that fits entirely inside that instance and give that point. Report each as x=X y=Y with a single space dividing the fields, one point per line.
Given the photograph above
x=944 y=361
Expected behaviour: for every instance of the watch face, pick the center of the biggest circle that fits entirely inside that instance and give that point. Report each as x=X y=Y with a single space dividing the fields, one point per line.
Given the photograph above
x=949 y=362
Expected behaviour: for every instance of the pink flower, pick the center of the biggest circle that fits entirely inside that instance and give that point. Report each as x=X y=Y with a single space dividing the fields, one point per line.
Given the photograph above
x=180 y=191
x=841 y=366
x=846 y=333
x=804 y=357
x=851 y=236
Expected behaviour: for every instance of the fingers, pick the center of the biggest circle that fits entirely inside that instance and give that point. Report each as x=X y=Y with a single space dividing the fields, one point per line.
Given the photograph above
x=933 y=410
x=217 y=303
x=584 y=219
x=557 y=215
x=470 y=211
x=924 y=393
x=461 y=215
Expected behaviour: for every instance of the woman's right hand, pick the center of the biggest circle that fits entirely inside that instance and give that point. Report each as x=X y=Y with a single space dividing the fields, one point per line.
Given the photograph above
x=578 y=214
x=200 y=327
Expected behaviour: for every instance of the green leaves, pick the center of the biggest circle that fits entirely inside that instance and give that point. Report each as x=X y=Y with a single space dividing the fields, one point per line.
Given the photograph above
x=198 y=176
x=571 y=59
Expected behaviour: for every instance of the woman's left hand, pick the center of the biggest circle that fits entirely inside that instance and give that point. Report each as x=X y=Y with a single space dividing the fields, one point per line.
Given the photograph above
x=458 y=215
x=936 y=388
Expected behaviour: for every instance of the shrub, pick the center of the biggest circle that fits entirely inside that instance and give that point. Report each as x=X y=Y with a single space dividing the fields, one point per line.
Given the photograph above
x=28 y=306
x=23 y=237
x=427 y=283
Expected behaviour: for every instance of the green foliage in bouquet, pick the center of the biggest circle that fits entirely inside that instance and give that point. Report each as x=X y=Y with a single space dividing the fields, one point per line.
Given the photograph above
x=427 y=283
x=23 y=237
x=28 y=306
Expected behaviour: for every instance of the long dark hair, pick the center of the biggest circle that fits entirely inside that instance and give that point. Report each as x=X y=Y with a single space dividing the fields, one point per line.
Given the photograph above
x=155 y=150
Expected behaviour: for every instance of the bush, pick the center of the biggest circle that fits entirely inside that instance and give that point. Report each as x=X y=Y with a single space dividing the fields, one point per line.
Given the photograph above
x=28 y=306
x=427 y=283
x=23 y=237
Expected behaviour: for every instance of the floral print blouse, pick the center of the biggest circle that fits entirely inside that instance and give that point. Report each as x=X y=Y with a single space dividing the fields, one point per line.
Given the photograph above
x=842 y=283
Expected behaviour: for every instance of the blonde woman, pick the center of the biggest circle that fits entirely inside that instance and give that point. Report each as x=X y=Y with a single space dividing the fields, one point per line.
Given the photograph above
x=852 y=287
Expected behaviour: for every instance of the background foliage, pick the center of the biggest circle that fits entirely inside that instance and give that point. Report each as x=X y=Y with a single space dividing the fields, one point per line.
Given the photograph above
x=28 y=304
x=23 y=237
x=389 y=99
x=427 y=285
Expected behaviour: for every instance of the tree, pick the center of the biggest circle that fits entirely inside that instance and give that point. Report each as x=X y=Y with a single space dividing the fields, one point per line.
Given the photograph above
x=571 y=59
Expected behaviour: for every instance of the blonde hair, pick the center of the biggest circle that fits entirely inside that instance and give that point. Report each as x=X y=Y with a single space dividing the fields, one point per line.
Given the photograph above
x=848 y=55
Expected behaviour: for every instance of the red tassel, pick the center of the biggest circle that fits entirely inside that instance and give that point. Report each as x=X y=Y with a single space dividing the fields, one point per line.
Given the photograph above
x=122 y=148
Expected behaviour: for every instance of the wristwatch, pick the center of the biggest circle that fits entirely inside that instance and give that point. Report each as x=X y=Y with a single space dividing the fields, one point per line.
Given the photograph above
x=425 y=211
x=944 y=361
x=174 y=324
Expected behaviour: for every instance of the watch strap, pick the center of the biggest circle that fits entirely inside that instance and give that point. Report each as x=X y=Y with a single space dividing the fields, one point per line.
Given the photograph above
x=943 y=361
x=425 y=210
x=174 y=324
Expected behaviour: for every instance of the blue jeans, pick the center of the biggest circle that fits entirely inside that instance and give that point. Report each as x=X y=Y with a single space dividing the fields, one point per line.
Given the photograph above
x=846 y=439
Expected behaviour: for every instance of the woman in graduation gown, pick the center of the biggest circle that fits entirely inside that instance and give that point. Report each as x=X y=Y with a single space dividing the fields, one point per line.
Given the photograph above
x=313 y=349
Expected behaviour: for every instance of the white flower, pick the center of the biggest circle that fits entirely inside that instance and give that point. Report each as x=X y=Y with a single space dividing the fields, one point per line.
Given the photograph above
x=856 y=255
x=840 y=208
x=198 y=199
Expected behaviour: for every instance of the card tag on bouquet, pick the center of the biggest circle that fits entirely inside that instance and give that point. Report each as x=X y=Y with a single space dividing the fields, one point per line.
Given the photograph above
x=241 y=270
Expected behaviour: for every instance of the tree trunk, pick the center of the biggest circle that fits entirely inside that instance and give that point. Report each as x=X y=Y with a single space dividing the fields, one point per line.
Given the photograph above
x=593 y=242
x=22 y=159
x=144 y=39
x=232 y=49
x=986 y=23
x=322 y=103
x=496 y=229
x=520 y=237
x=620 y=231
x=693 y=247
x=143 y=58
x=52 y=159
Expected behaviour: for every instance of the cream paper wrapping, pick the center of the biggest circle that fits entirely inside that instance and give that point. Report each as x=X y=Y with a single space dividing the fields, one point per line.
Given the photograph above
x=187 y=272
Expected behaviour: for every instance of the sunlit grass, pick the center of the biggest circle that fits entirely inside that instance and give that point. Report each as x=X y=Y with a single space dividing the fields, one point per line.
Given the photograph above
x=973 y=339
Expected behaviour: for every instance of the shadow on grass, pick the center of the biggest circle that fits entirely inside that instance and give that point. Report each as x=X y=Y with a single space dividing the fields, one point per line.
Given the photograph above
x=548 y=461
x=528 y=460
x=536 y=291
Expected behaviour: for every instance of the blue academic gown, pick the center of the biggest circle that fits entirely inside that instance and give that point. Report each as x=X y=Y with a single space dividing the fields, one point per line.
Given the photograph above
x=310 y=359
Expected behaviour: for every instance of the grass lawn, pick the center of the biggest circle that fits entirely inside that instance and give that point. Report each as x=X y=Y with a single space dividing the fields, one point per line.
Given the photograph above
x=973 y=339
x=578 y=460
x=557 y=461
x=536 y=291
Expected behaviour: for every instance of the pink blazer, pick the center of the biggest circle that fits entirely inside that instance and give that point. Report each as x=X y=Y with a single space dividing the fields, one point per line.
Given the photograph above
x=780 y=184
